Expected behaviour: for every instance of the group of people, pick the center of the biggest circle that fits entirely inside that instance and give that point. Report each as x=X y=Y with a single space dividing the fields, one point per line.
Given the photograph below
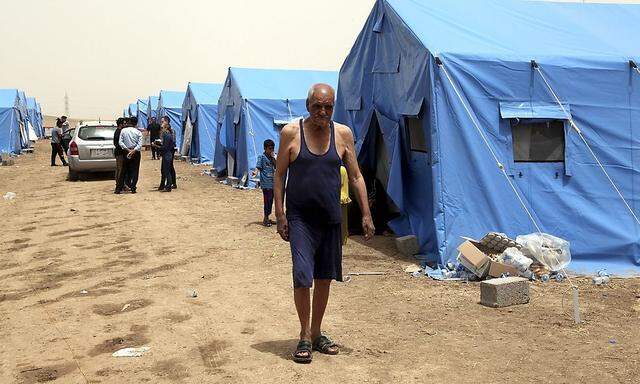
x=59 y=144
x=128 y=141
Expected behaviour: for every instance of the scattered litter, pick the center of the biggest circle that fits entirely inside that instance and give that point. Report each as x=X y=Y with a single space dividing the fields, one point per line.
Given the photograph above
x=84 y=292
x=613 y=341
x=600 y=280
x=192 y=293
x=125 y=307
x=413 y=268
x=131 y=352
x=347 y=277
x=552 y=252
x=73 y=210
x=9 y=196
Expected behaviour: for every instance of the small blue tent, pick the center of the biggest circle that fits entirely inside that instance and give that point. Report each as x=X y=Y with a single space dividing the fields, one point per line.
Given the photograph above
x=200 y=121
x=152 y=107
x=125 y=112
x=11 y=121
x=170 y=105
x=24 y=111
x=141 y=107
x=449 y=111
x=34 y=116
x=253 y=107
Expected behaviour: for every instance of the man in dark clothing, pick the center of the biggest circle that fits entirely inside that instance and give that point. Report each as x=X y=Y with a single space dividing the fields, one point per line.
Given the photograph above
x=311 y=152
x=56 y=147
x=154 y=134
x=119 y=154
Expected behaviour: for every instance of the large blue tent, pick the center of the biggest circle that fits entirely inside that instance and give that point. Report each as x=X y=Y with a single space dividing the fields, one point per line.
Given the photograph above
x=170 y=105
x=11 y=121
x=454 y=102
x=152 y=106
x=132 y=111
x=253 y=107
x=142 y=108
x=35 y=118
x=200 y=121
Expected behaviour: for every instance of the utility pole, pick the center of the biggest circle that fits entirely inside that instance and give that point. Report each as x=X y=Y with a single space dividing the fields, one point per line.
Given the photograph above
x=66 y=104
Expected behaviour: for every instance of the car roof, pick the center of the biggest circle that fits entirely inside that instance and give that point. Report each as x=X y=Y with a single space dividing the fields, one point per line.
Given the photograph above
x=99 y=123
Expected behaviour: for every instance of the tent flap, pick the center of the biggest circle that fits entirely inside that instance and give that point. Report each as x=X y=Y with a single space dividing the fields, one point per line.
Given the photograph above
x=534 y=110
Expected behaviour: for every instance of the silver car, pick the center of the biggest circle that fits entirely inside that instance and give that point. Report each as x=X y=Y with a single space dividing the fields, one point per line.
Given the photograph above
x=91 y=149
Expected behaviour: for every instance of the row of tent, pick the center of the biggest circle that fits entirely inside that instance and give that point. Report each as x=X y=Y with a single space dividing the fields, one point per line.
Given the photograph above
x=469 y=117
x=21 y=121
x=226 y=124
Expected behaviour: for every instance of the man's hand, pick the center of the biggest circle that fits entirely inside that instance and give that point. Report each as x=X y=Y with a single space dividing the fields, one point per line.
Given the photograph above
x=130 y=154
x=367 y=227
x=283 y=227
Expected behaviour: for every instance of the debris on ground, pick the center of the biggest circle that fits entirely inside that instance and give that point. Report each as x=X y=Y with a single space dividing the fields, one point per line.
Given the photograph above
x=131 y=352
x=9 y=196
x=504 y=292
x=602 y=277
x=408 y=245
x=192 y=293
x=413 y=268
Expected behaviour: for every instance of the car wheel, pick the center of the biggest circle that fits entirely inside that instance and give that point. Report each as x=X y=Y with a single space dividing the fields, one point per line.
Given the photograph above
x=73 y=175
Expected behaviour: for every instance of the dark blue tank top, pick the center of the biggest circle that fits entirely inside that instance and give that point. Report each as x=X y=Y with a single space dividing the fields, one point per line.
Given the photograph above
x=313 y=184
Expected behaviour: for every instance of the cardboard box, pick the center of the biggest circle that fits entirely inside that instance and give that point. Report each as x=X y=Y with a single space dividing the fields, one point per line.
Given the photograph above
x=473 y=258
x=497 y=269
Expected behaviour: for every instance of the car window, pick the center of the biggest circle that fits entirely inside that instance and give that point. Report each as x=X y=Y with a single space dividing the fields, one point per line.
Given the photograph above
x=96 y=132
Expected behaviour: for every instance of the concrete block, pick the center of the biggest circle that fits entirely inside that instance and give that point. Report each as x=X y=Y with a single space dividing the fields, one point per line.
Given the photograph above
x=8 y=162
x=408 y=245
x=504 y=292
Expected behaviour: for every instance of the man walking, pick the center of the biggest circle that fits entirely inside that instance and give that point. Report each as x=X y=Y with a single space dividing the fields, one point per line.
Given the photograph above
x=131 y=142
x=311 y=151
x=154 y=134
x=56 y=147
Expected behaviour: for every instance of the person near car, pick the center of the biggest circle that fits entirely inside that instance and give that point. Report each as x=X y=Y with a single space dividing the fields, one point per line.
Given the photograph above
x=165 y=147
x=56 y=147
x=119 y=154
x=131 y=142
x=154 y=134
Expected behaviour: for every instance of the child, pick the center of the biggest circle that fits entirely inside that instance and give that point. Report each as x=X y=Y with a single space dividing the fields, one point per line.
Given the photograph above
x=266 y=165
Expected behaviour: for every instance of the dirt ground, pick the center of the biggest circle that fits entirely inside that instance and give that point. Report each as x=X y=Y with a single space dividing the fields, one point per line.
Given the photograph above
x=138 y=255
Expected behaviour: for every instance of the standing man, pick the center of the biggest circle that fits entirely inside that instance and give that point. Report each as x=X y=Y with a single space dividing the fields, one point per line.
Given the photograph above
x=119 y=154
x=311 y=151
x=56 y=139
x=154 y=134
x=131 y=142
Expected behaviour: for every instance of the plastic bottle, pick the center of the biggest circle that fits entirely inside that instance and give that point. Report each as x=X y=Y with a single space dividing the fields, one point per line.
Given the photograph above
x=560 y=277
x=545 y=278
x=600 y=280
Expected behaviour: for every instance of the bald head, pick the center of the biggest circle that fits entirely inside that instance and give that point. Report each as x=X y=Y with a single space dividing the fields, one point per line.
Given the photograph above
x=320 y=90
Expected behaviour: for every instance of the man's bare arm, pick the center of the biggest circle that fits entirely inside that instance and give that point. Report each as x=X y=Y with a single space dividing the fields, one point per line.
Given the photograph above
x=282 y=165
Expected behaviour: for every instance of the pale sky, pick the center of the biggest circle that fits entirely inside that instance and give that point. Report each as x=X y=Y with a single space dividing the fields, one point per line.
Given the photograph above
x=107 y=53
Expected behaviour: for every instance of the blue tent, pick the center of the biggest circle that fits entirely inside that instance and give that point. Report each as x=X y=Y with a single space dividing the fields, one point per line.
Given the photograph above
x=170 y=104
x=24 y=111
x=11 y=122
x=200 y=121
x=141 y=107
x=152 y=106
x=34 y=116
x=133 y=110
x=254 y=105
x=125 y=112
x=443 y=96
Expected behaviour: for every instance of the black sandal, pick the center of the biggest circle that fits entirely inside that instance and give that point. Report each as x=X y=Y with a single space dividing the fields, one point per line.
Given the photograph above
x=302 y=355
x=323 y=344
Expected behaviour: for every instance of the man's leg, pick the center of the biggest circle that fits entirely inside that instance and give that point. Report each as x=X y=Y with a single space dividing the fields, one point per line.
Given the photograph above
x=303 y=307
x=54 y=153
x=174 y=179
x=60 y=153
x=134 y=171
x=119 y=179
x=321 y=290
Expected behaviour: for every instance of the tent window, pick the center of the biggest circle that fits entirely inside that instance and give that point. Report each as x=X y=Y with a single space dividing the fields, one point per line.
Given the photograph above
x=417 y=139
x=539 y=142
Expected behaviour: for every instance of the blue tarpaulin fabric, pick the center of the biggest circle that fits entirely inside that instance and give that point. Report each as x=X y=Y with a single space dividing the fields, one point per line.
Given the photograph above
x=252 y=99
x=200 y=106
x=170 y=105
x=152 y=107
x=10 y=119
x=453 y=187
x=133 y=110
x=141 y=107
x=34 y=116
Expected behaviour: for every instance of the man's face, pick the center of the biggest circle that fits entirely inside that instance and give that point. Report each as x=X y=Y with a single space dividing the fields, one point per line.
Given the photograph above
x=269 y=150
x=63 y=119
x=321 y=109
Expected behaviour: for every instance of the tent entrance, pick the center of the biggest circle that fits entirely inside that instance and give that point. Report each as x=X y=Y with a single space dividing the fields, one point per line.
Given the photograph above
x=375 y=164
x=187 y=137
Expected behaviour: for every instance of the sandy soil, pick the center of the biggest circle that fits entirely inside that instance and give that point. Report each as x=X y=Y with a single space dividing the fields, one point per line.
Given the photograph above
x=137 y=255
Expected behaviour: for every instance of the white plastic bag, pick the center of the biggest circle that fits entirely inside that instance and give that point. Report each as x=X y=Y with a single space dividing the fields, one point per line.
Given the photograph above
x=514 y=257
x=552 y=252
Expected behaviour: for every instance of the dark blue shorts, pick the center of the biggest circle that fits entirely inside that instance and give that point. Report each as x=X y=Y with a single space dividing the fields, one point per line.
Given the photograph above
x=316 y=252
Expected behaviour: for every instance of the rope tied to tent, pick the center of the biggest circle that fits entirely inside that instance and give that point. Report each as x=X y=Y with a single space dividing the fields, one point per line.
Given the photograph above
x=251 y=132
x=573 y=124
x=496 y=159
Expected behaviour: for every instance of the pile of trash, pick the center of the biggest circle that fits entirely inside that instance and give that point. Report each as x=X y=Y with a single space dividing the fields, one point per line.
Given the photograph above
x=537 y=256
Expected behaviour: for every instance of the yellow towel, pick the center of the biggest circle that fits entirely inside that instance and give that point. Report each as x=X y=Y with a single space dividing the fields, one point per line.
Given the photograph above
x=344 y=187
